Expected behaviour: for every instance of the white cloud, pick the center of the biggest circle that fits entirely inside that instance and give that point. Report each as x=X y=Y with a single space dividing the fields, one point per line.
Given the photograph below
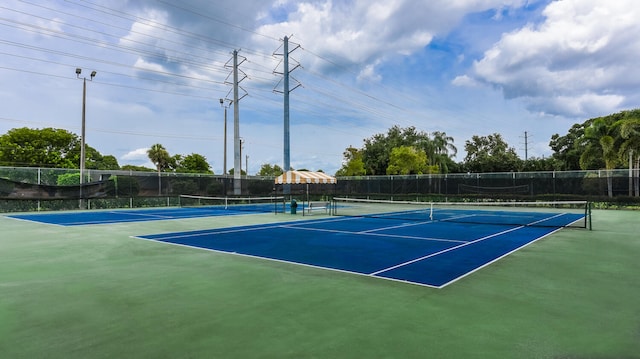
x=465 y=80
x=368 y=73
x=145 y=65
x=576 y=105
x=581 y=59
x=142 y=31
x=136 y=155
x=366 y=32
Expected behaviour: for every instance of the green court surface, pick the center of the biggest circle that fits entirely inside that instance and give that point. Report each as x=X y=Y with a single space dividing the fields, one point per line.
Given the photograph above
x=95 y=292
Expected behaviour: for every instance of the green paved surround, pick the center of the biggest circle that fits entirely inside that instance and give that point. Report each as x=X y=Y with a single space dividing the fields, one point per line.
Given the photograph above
x=93 y=291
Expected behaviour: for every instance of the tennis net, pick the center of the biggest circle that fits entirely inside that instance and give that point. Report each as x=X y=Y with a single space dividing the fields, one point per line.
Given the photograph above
x=575 y=214
x=252 y=204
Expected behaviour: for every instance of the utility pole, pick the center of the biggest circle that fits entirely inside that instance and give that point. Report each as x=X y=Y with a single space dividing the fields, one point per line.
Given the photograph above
x=630 y=172
x=83 y=136
x=224 y=161
x=526 y=146
x=287 y=134
x=241 y=147
x=237 y=159
x=237 y=185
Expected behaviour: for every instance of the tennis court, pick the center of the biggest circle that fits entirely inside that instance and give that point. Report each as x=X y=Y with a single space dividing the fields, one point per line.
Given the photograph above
x=385 y=244
x=87 y=289
x=402 y=241
x=212 y=207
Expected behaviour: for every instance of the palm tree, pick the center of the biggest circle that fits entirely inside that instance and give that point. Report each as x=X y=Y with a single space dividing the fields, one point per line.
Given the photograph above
x=600 y=142
x=630 y=133
x=443 y=149
x=160 y=157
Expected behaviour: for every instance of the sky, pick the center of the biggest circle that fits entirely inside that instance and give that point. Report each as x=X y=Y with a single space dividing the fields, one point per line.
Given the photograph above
x=523 y=69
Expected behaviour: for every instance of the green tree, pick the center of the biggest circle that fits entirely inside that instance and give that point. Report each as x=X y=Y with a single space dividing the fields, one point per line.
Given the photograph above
x=600 y=142
x=538 y=164
x=352 y=165
x=193 y=163
x=567 y=149
x=490 y=154
x=440 y=151
x=96 y=161
x=406 y=160
x=630 y=147
x=47 y=147
x=68 y=179
x=196 y=163
x=107 y=162
x=159 y=156
x=136 y=168
x=374 y=158
x=270 y=170
x=377 y=149
x=174 y=163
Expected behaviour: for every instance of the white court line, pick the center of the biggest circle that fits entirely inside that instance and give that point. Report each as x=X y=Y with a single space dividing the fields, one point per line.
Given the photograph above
x=256 y=227
x=33 y=221
x=214 y=231
x=444 y=251
x=546 y=219
x=394 y=227
x=294 y=225
x=141 y=214
x=299 y=225
x=376 y=234
x=497 y=259
x=462 y=245
x=287 y=262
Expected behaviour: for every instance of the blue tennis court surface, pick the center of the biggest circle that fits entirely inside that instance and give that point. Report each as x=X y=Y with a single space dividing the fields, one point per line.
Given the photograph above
x=135 y=215
x=429 y=253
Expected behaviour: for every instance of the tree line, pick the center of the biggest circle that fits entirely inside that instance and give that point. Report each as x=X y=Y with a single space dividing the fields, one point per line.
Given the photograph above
x=607 y=142
x=58 y=148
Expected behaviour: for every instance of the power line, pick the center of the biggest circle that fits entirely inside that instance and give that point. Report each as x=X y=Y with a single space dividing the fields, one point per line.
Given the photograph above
x=118 y=132
x=323 y=95
x=113 y=12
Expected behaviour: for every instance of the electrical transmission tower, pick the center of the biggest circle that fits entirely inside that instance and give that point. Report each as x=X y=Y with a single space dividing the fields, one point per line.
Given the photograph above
x=237 y=159
x=286 y=91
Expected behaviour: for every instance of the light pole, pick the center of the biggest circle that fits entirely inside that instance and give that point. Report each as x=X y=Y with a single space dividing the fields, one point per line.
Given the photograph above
x=224 y=169
x=241 y=142
x=82 y=137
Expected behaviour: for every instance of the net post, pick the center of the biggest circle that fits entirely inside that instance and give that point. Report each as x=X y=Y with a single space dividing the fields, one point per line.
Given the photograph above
x=431 y=211
x=588 y=214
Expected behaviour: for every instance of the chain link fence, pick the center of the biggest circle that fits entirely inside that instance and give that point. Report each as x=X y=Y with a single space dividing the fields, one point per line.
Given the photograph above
x=38 y=189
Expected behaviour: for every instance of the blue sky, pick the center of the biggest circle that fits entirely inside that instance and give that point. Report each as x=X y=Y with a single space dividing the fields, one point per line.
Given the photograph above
x=468 y=67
